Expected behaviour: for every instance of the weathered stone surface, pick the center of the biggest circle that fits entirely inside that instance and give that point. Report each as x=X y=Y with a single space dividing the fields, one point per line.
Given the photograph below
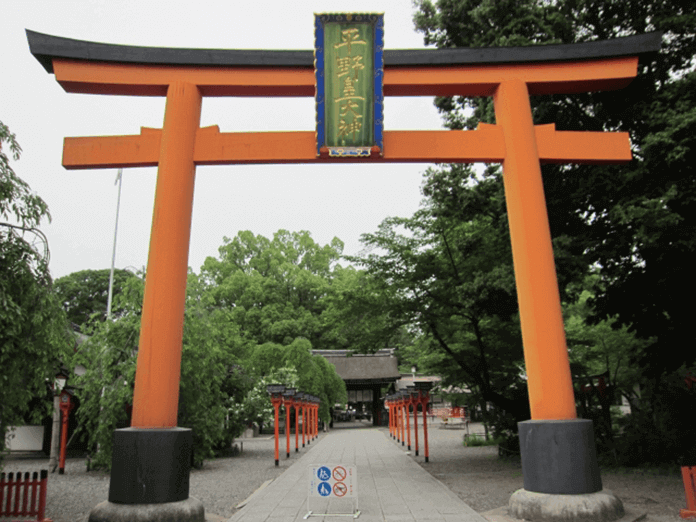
x=602 y=506
x=189 y=510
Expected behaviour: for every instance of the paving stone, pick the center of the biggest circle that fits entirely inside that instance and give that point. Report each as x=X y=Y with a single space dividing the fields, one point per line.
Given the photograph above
x=391 y=486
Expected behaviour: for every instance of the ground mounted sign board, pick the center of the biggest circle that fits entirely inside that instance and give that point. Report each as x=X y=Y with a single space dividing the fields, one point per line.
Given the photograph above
x=349 y=71
x=333 y=482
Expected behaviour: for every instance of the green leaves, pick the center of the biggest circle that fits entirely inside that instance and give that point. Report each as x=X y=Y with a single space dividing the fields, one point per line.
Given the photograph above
x=445 y=276
x=17 y=201
x=248 y=320
x=84 y=294
x=34 y=334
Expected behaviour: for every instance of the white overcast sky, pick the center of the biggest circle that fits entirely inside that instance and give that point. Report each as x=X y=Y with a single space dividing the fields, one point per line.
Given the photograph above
x=329 y=201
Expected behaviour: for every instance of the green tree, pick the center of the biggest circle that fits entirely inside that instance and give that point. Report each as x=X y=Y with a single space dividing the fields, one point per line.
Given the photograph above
x=247 y=316
x=446 y=275
x=105 y=390
x=633 y=223
x=633 y=220
x=210 y=354
x=33 y=331
x=312 y=373
x=84 y=294
x=274 y=288
x=602 y=349
x=256 y=406
x=357 y=315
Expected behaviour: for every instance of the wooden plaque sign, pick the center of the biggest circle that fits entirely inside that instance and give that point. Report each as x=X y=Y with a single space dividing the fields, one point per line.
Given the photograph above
x=349 y=68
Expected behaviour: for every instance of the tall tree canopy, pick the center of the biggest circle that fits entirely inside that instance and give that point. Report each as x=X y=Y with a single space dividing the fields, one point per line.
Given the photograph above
x=631 y=226
x=445 y=274
x=84 y=294
x=33 y=330
x=635 y=221
x=274 y=288
x=250 y=316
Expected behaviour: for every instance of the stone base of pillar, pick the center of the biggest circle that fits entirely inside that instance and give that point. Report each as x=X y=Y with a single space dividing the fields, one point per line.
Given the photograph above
x=561 y=475
x=559 y=457
x=150 y=465
x=189 y=510
x=150 y=471
x=602 y=506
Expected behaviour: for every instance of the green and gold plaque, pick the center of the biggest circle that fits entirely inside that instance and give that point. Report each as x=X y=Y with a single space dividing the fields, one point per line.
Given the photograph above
x=349 y=69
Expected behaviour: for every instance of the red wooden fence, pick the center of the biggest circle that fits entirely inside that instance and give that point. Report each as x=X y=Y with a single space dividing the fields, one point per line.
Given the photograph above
x=689 y=476
x=23 y=497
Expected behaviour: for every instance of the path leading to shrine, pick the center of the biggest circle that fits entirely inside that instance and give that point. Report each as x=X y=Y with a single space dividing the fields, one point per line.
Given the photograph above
x=391 y=485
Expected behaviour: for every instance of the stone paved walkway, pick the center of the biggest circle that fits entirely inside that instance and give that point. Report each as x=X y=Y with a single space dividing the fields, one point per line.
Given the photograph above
x=391 y=486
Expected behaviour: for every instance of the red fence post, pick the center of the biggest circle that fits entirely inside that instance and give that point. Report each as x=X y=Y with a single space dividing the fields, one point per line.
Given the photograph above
x=25 y=493
x=18 y=491
x=688 y=474
x=25 y=497
x=424 y=405
x=304 y=421
x=296 y=405
x=40 y=516
x=415 y=419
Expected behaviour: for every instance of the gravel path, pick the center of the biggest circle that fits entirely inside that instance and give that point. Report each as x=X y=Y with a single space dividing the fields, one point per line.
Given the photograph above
x=476 y=475
x=485 y=482
x=221 y=484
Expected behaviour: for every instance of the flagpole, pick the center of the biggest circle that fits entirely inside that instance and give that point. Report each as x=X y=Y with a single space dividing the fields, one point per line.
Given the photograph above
x=119 y=180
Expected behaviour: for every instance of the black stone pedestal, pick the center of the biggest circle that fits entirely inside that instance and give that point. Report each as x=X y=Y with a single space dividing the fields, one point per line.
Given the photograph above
x=150 y=471
x=559 y=457
x=561 y=474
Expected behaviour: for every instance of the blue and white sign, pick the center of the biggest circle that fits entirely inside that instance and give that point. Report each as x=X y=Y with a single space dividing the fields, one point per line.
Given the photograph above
x=333 y=481
x=323 y=473
x=324 y=489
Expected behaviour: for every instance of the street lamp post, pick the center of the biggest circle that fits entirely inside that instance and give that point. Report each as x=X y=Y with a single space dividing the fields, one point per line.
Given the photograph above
x=276 y=391
x=297 y=403
x=424 y=398
x=58 y=385
x=392 y=416
x=288 y=401
x=400 y=399
x=397 y=420
x=304 y=418
x=387 y=403
x=315 y=417
x=310 y=419
x=65 y=407
x=407 y=403
x=316 y=424
x=413 y=392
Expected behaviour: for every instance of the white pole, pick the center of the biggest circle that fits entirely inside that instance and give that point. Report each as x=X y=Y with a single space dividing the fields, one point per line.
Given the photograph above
x=119 y=180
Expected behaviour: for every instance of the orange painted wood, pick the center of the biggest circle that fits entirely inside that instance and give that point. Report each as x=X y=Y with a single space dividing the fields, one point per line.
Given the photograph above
x=689 y=477
x=581 y=147
x=113 y=151
x=214 y=148
x=482 y=80
x=156 y=394
x=181 y=145
x=474 y=80
x=546 y=355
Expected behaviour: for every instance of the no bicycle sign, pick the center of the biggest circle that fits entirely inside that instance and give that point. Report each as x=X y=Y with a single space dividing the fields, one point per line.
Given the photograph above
x=333 y=481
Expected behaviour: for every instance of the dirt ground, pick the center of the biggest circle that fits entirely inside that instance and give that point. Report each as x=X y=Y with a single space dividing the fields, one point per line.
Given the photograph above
x=476 y=474
x=485 y=481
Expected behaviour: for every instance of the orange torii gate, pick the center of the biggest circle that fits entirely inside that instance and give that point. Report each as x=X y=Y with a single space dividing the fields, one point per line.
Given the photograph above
x=509 y=75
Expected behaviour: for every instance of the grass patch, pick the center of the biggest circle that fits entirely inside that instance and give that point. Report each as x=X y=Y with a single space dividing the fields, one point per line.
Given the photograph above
x=479 y=440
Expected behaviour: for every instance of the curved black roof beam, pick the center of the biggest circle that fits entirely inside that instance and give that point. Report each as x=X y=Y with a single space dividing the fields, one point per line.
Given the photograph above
x=45 y=48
